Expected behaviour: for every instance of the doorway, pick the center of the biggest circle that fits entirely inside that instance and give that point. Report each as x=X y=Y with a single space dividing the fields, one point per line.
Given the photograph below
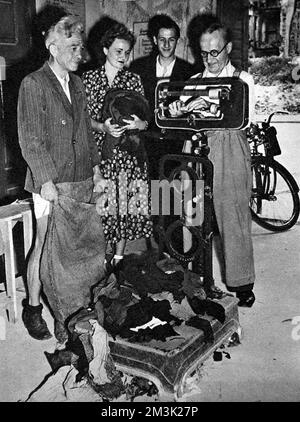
x=15 y=43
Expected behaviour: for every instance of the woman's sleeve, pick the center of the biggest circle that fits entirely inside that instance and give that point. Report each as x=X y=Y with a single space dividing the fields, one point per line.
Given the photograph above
x=137 y=84
x=88 y=86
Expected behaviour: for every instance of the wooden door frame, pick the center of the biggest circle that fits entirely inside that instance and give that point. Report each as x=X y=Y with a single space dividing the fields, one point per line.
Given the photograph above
x=13 y=51
x=29 y=9
x=2 y=160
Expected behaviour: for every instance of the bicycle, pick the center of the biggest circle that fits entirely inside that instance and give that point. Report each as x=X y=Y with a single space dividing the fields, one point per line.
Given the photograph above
x=274 y=202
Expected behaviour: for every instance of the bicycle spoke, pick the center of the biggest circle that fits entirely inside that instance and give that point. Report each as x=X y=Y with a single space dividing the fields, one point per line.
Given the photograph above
x=274 y=204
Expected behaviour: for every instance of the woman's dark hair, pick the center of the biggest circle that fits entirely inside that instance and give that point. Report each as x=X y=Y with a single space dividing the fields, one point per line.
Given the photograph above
x=117 y=31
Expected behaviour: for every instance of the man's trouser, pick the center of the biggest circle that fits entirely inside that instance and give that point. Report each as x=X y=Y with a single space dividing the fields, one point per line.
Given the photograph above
x=232 y=183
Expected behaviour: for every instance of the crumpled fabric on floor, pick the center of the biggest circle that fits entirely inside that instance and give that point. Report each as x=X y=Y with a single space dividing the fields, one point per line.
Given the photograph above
x=63 y=387
x=169 y=265
x=73 y=255
x=59 y=358
x=99 y=340
x=113 y=300
x=192 y=285
x=92 y=361
x=106 y=291
x=139 y=387
x=204 y=325
x=144 y=335
x=86 y=341
x=116 y=312
x=209 y=307
x=143 y=273
x=103 y=375
x=101 y=372
x=109 y=288
x=143 y=311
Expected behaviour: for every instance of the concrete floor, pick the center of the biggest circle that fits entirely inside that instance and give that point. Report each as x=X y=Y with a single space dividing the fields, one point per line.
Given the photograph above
x=264 y=367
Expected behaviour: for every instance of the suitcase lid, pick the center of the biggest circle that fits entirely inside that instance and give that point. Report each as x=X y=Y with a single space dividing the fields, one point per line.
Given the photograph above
x=227 y=101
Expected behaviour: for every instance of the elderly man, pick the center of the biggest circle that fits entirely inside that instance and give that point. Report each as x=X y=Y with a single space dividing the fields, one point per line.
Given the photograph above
x=56 y=141
x=230 y=155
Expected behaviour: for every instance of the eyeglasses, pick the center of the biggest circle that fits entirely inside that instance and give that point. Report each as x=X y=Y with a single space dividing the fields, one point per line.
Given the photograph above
x=213 y=53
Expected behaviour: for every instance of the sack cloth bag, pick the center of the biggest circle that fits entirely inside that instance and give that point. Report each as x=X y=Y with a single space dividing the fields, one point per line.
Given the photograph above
x=120 y=104
x=73 y=255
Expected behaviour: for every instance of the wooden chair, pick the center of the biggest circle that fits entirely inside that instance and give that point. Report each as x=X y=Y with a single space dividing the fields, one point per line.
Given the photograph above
x=9 y=216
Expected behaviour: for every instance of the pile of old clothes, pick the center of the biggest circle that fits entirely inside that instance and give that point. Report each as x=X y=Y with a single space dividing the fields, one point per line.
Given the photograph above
x=144 y=321
x=122 y=307
x=147 y=274
x=143 y=273
x=88 y=348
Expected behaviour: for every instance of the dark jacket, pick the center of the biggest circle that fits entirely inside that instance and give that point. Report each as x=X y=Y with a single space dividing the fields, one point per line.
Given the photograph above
x=55 y=136
x=146 y=68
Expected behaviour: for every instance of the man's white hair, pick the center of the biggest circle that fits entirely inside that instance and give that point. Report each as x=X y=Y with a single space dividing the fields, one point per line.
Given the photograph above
x=66 y=27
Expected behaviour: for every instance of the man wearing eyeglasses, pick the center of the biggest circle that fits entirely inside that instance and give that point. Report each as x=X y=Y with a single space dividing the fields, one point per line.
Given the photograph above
x=230 y=155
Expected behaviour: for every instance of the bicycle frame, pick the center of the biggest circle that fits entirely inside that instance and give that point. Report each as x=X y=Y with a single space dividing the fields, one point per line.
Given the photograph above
x=272 y=183
x=263 y=184
x=263 y=189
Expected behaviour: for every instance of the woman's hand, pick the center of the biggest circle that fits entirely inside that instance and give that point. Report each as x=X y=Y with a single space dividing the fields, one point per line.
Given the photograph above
x=114 y=130
x=134 y=124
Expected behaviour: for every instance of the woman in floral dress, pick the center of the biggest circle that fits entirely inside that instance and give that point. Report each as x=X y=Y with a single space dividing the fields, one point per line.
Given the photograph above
x=125 y=206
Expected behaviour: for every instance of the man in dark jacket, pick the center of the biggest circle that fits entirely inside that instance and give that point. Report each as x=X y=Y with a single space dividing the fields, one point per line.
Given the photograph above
x=57 y=143
x=161 y=64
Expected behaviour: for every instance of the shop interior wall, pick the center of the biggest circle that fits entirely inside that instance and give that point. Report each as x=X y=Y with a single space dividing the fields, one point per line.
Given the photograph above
x=182 y=11
x=130 y=12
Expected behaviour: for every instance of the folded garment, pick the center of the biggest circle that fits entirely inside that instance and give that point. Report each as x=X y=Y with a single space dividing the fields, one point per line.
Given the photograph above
x=161 y=332
x=209 y=307
x=143 y=311
x=204 y=325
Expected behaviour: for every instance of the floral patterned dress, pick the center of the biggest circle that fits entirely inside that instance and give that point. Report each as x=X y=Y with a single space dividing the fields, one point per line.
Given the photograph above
x=125 y=206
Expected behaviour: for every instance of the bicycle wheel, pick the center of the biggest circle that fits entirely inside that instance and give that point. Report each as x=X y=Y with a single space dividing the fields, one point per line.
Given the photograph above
x=274 y=202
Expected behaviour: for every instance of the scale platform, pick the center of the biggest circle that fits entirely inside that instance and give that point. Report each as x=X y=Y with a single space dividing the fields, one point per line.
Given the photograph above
x=167 y=364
